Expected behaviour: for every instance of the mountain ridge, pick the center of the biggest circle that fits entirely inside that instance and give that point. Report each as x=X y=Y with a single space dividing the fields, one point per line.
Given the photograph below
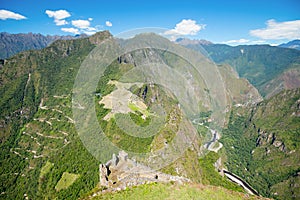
x=43 y=157
x=294 y=44
x=259 y=64
x=11 y=44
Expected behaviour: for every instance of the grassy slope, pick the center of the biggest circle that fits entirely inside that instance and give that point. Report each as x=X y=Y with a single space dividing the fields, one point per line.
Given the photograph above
x=169 y=191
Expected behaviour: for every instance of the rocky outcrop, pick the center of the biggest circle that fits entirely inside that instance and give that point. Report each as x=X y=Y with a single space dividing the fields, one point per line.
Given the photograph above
x=98 y=37
x=296 y=108
x=121 y=172
x=265 y=139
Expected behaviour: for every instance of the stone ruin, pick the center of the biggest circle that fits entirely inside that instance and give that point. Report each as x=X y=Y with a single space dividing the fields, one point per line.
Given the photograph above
x=121 y=172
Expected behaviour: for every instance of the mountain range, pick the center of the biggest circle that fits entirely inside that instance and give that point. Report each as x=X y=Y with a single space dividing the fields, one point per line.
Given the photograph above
x=295 y=44
x=43 y=157
x=11 y=44
x=260 y=64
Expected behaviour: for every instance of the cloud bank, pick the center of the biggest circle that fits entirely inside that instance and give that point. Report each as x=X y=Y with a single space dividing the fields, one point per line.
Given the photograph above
x=70 y=30
x=239 y=41
x=278 y=30
x=243 y=41
x=83 y=24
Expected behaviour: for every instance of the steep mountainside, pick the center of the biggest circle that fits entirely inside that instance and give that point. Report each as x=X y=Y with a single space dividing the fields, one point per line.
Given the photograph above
x=259 y=64
x=43 y=156
x=39 y=143
x=289 y=79
x=262 y=145
x=239 y=90
x=10 y=44
x=295 y=44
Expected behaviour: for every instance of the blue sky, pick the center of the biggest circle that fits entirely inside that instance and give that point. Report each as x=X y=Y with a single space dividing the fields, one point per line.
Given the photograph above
x=231 y=22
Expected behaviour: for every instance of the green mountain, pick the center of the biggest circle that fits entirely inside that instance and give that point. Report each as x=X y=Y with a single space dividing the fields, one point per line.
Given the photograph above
x=294 y=44
x=10 y=44
x=38 y=139
x=43 y=157
x=262 y=145
x=261 y=65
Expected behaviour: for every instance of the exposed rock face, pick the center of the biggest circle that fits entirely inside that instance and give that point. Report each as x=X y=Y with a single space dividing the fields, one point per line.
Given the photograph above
x=265 y=138
x=121 y=172
x=103 y=174
x=98 y=37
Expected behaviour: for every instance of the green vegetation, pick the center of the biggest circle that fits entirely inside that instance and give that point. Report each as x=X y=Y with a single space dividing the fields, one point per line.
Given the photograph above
x=66 y=180
x=169 y=191
x=125 y=141
x=209 y=175
x=135 y=108
x=260 y=64
x=138 y=120
x=262 y=144
x=43 y=157
x=11 y=44
x=146 y=93
x=46 y=169
x=36 y=117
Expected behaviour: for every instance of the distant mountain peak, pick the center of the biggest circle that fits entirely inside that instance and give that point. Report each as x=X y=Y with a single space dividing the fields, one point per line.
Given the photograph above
x=11 y=44
x=294 y=44
x=186 y=41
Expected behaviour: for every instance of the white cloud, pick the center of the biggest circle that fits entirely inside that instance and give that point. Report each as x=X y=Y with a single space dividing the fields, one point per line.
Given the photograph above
x=186 y=27
x=59 y=16
x=60 y=22
x=70 y=30
x=6 y=14
x=259 y=42
x=83 y=24
x=278 y=30
x=243 y=41
x=274 y=44
x=236 y=41
x=90 y=29
x=79 y=26
x=89 y=32
x=108 y=23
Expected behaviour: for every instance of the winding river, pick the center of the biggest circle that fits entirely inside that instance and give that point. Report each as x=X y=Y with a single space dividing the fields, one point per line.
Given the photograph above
x=212 y=146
